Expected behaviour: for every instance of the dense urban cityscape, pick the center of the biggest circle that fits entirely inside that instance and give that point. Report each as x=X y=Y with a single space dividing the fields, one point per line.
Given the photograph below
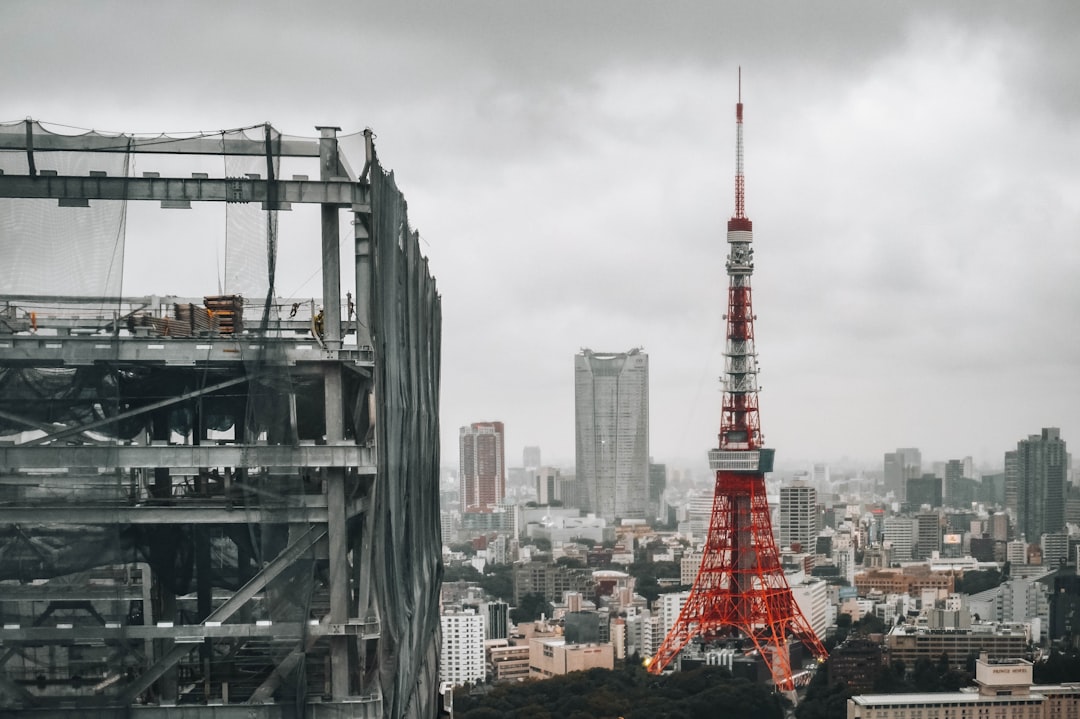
x=931 y=558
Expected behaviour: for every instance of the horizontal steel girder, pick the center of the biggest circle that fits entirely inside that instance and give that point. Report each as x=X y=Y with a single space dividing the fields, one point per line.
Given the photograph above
x=169 y=351
x=311 y=510
x=362 y=707
x=195 y=633
x=184 y=456
x=341 y=192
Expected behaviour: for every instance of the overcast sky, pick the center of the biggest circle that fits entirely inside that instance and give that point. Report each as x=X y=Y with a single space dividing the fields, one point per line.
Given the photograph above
x=913 y=174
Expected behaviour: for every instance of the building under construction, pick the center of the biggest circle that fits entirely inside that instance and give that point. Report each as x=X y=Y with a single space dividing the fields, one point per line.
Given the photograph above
x=223 y=504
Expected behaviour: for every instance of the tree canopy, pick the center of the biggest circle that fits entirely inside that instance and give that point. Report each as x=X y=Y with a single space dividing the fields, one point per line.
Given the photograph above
x=630 y=693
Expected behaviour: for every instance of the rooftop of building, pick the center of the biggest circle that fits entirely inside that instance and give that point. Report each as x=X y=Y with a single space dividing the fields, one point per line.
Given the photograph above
x=943 y=698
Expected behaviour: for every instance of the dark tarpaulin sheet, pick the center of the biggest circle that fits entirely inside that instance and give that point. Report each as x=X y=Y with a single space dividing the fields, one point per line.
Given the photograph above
x=406 y=554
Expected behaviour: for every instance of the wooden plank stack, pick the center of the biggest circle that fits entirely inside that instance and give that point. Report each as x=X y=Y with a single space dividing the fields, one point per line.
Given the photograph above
x=229 y=312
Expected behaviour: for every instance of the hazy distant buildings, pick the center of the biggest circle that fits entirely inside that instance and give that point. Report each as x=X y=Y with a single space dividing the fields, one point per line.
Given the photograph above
x=798 y=515
x=1037 y=470
x=483 y=467
x=611 y=401
x=530 y=457
x=901 y=465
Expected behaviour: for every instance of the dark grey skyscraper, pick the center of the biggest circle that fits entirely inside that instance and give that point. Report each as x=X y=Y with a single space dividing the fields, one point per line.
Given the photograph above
x=611 y=401
x=1037 y=472
x=900 y=466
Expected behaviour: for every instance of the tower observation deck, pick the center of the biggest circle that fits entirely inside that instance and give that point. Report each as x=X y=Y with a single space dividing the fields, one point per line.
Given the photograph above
x=224 y=504
x=740 y=595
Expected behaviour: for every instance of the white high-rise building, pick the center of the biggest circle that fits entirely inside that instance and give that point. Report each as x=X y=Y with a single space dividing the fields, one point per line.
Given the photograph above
x=812 y=596
x=670 y=606
x=798 y=515
x=462 y=657
x=611 y=400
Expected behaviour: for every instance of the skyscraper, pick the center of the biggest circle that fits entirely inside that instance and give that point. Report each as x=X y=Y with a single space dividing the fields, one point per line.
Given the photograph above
x=900 y=466
x=1037 y=474
x=798 y=515
x=611 y=402
x=483 y=466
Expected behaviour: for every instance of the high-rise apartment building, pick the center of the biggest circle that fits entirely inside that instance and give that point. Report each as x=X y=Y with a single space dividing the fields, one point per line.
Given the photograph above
x=1038 y=470
x=462 y=654
x=901 y=465
x=798 y=515
x=611 y=401
x=483 y=466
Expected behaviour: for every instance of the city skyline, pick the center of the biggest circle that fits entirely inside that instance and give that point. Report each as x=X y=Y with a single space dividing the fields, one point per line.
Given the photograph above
x=911 y=170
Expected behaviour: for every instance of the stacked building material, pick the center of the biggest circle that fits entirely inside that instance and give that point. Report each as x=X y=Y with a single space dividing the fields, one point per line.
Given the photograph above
x=199 y=321
x=229 y=312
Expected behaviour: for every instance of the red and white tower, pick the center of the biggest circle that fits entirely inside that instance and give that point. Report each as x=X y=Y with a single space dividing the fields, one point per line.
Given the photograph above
x=740 y=590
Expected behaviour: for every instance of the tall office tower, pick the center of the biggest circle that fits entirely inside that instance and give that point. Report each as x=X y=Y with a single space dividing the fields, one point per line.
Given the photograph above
x=496 y=619
x=820 y=475
x=924 y=490
x=530 y=457
x=483 y=467
x=927 y=535
x=901 y=533
x=611 y=402
x=1040 y=465
x=798 y=515
x=954 y=472
x=657 y=485
x=900 y=466
x=1012 y=484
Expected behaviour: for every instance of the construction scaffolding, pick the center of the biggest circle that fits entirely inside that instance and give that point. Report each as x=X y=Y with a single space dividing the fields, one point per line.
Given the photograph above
x=222 y=505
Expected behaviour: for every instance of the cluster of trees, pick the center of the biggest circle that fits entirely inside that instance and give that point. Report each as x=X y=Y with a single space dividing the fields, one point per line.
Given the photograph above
x=975 y=581
x=1058 y=667
x=630 y=693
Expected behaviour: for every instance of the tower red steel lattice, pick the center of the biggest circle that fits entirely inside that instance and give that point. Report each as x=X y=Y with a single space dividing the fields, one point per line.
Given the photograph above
x=740 y=589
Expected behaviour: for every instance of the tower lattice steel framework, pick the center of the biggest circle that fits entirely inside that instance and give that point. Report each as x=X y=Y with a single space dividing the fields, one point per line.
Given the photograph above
x=740 y=587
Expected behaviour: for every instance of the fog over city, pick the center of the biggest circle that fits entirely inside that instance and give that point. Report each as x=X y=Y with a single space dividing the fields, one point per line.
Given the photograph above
x=912 y=171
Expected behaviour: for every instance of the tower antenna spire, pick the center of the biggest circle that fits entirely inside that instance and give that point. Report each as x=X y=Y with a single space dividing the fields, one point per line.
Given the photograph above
x=740 y=179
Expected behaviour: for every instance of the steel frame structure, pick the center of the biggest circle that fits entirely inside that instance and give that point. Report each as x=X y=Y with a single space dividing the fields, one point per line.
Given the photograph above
x=172 y=656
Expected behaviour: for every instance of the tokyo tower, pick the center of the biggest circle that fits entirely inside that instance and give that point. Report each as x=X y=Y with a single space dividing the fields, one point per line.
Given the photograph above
x=740 y=590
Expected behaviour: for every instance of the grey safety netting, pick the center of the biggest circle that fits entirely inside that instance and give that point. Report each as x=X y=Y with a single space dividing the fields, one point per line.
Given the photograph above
x=62 y=250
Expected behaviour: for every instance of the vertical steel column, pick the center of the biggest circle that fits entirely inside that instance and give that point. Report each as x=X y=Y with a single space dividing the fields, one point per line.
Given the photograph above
x=337 y=534
x=362 y=232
